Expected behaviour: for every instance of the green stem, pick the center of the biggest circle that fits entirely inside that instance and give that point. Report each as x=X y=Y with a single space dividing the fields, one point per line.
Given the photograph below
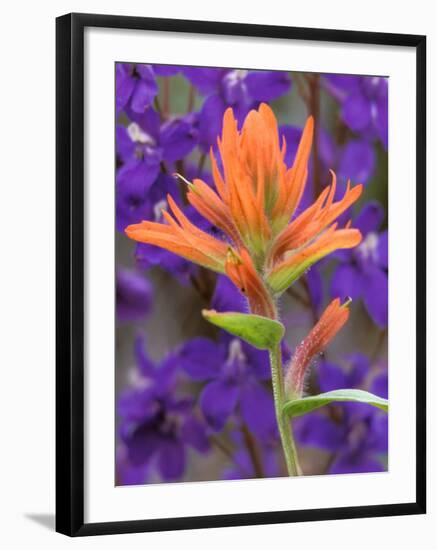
x=284 y=424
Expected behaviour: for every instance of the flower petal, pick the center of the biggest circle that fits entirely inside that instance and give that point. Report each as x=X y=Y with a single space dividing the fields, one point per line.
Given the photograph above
x=347 y=281
x=258 y=411
x=267 y=85
x=201 y=358
x=171 y=459
x=318 y=430
x=217 y=401
x=193 y=433
x=376 y=296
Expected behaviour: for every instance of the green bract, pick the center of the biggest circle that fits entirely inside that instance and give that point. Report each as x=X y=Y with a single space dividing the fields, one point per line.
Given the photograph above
x=260 y=332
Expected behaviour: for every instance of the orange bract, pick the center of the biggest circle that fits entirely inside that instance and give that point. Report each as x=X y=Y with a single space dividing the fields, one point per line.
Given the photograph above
x=255 y=198
x=331 y=321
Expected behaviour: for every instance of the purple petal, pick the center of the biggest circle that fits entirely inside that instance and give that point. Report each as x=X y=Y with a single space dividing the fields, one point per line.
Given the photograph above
x=376 y=296
x=380 y=385
x=318 y=430
x=332 y=376
x=136 y=176
x=145 y=90
x=178 y=139
x=125 y=146
x=370 y=217
x=356 y=112
x=327 y=149
x=142 y=445
x=377 y=440
x=315 y=286
x=201 y=358
x=357 y=162
x=193 y=433
x=346 y=282
x=149 y=123
x=171 y=459
x=358 y=368
x=144 y=362
x=124 y=85
x=133 y=295
x=226 y=296
x=136 y=406
x=148 y=256
x=217 y=401
x=356 y=463
x=206 y=80
x=382 y=250
x=292 y=135
x=127 y=474
x=257 y=410
x=210 y=121
x=381 y=119
x=258 y=361
x=267 y=85
x=234 y=89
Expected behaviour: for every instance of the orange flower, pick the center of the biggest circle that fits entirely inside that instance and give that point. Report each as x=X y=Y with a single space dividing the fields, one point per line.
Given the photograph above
x=255 y=198
x=331 y=321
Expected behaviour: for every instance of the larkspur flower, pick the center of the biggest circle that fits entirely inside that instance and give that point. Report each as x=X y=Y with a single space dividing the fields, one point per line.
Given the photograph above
x=355 y=434
x=364 y=103
x=141 y=148
x=136 y=86
x=240 y=89
x=362 y=273
x=256 y=196
x=234 y=374
x=157 y=424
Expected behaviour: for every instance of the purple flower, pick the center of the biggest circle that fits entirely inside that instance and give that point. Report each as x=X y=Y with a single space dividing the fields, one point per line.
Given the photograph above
x=240 y=89
x=136 y=86
x=364 y=103
x=133 y=294
x=234 y=373
x=156 y=423
x=127 y=473
x=141 y=148
x=355 y=434
x=362 y=271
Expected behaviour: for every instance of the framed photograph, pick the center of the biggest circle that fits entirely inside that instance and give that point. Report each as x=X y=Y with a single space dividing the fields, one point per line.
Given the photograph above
x=240 y=274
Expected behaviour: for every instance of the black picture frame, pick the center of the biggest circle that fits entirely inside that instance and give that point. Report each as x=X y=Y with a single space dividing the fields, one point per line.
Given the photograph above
x=70 y=273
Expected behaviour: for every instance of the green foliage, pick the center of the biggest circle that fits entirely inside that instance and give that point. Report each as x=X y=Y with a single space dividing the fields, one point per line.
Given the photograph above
x=260 y=332
x=298 y=407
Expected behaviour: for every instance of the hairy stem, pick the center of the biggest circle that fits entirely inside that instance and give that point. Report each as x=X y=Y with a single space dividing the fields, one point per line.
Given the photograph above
x=284 y=424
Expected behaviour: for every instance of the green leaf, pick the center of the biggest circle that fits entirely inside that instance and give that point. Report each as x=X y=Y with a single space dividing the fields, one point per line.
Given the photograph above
x=298 y=407
x=260 y=332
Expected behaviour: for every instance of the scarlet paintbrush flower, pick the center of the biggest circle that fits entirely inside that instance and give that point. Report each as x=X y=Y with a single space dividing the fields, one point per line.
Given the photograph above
x=331 y=321
x=255 y=199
